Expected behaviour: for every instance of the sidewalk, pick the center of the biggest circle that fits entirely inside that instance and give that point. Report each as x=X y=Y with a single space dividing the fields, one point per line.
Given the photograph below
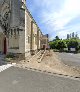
x=2 y=62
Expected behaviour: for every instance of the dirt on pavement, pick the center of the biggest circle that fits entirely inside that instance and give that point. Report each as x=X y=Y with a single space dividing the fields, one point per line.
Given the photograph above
x=51 y=63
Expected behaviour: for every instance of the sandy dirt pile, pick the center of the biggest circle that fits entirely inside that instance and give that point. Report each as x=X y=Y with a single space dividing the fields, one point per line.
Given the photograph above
x=59 y=67
x=51 y=63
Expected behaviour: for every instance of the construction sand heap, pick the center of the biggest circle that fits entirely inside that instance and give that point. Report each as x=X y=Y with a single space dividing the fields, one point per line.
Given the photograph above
x=51 y=63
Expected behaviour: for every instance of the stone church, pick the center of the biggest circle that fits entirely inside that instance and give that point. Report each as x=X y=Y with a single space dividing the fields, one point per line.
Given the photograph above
x=19 y=33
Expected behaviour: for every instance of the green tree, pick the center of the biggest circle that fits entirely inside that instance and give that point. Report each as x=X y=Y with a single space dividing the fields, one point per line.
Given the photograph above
x=65 y=43
x=73 y=43
x=61 y=45
x=56 y=38
x=52 y=44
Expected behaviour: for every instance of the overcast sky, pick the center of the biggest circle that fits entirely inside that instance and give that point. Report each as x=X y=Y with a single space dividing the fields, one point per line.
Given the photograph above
x=56 y=17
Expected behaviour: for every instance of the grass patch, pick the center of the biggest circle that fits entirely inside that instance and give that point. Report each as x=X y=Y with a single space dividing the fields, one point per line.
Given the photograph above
x=9 y=57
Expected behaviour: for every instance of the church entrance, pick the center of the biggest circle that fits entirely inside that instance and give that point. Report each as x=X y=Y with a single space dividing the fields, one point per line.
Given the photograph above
x=5 y=46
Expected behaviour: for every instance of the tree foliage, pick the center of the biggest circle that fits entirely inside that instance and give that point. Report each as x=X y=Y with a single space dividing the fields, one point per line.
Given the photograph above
x=58 y=44
x=61 y=44
x=56 y=38
x=66 y=43
x=73 y=43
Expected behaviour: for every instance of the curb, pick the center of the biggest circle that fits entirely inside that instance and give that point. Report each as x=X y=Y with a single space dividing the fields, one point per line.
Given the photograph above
x=48 y=72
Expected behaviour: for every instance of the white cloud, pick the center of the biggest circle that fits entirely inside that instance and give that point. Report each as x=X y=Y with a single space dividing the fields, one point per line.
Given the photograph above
x=63 y=33
x=43 y=3
x=58 y=20
x=56 y=14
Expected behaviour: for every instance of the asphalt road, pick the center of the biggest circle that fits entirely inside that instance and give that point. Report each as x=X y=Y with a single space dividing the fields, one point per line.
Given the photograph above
x=69 y=58
x=21 y=80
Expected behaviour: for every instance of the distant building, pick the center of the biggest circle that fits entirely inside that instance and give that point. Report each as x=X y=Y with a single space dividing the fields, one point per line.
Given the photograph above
x=72 y=35
x=68 y=36
x=45 y=41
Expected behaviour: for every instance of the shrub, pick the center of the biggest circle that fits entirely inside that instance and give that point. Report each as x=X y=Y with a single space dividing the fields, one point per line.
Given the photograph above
x=10 y=55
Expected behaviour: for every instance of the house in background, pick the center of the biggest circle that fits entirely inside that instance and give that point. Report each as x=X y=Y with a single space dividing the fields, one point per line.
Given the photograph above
x=45 y=41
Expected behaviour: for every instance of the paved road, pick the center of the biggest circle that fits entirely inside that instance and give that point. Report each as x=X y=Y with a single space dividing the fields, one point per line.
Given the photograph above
x=70 y=58
x=20 y=80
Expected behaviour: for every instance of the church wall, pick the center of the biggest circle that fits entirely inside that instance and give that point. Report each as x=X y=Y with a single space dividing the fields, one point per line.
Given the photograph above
x=22 y=42
x=38 y=39
x=15 y=14
x=27 y=34
x=13 y=43
x=23 y=34
x=1 y=42
x=35 y=36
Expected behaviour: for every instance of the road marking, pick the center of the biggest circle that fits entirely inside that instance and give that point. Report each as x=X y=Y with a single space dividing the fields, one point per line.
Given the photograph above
x=4 y=67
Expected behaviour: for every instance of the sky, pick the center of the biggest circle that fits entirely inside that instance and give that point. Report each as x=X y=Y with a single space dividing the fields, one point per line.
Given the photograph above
x=56 y=17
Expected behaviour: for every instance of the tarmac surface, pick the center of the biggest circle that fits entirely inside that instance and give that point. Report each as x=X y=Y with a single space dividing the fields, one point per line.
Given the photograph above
x=16 y=79
x=69 y=58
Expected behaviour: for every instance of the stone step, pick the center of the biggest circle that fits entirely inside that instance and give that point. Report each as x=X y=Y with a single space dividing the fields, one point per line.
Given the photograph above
x=37 y=57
